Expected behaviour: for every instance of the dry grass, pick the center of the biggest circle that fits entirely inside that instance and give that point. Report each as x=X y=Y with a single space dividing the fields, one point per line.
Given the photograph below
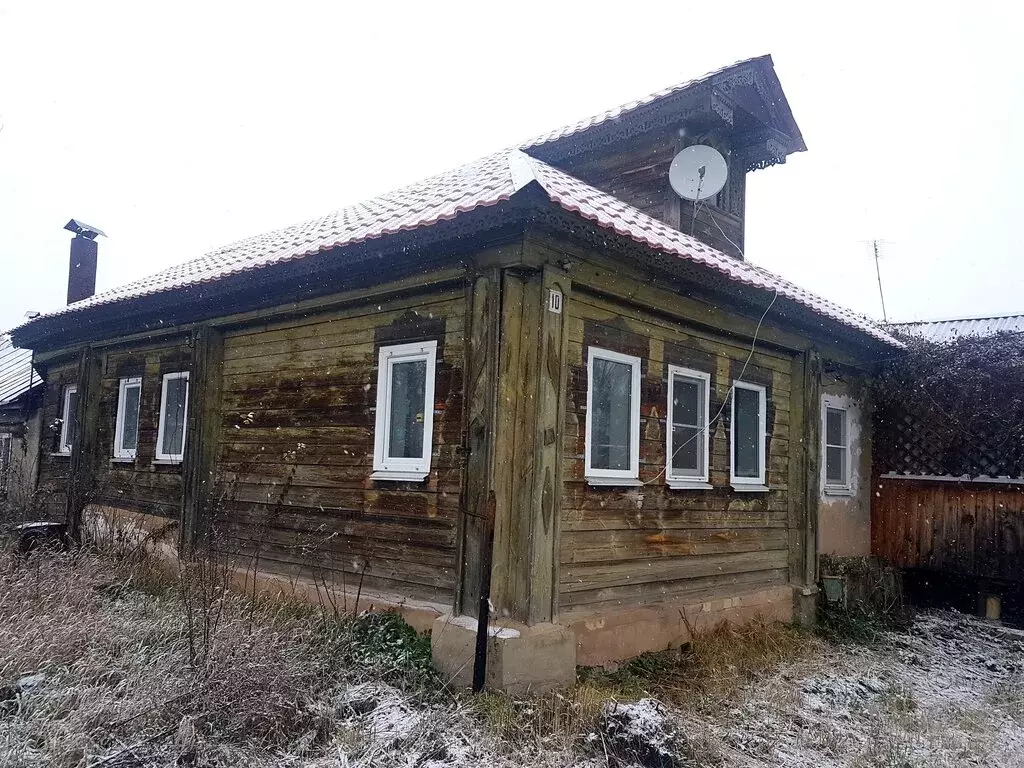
x=127 y=672
x=702 y=678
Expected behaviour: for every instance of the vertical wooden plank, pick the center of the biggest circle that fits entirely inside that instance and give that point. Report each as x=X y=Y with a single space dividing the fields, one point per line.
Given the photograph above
x=82 y=469
x=481 y=393
x=797 y=471
x=812 y=441
x=546 y=502
x=202 y=434
x=525 y=458
x=508 y=400
x=985 y=556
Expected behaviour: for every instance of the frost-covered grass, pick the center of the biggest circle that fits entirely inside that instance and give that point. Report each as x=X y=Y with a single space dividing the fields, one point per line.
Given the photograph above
x=106 y=659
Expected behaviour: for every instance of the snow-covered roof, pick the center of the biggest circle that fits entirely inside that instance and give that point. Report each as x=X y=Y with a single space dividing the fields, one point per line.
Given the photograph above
x=16 y=374
x=485 y=182
x=624 y=110
x=950 y=330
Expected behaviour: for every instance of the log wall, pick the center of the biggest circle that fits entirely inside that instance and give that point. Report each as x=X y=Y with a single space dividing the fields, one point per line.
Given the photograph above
x=636 y=546
x=293 y=464
x=54 y=468
x=140 y=484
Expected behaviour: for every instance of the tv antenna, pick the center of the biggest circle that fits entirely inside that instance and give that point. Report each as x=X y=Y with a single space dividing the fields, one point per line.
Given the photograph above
x=878 y=274
x=698 y=172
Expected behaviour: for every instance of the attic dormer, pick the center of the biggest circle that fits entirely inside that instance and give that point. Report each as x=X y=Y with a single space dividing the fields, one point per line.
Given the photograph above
x=740 y=110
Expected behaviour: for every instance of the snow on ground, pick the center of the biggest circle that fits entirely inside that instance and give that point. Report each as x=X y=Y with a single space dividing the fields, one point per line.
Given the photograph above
x=949 y=692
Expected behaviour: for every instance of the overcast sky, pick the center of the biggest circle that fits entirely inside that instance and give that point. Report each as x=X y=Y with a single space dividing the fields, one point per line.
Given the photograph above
x=179 y=127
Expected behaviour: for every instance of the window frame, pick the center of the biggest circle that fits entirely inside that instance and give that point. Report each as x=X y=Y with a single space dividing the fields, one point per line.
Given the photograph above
x=403 y=469
x=742 y=483
x=64 y=448
x=123 y=386
x=683 y=482
x=171 y=458
x=835 y=489
x=599 y=475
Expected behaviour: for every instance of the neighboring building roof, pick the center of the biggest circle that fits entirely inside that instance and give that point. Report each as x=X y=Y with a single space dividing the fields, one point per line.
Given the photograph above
x=16 y=373
x=950 y=330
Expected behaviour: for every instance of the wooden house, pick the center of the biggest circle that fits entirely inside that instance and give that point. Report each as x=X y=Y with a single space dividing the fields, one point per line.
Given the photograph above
x=544 y=360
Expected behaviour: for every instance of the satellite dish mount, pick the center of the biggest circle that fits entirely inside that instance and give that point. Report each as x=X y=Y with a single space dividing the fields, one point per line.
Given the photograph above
x=698 y=172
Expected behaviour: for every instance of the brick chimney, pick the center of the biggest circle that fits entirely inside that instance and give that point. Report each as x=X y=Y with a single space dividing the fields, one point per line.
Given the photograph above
x=82 y=269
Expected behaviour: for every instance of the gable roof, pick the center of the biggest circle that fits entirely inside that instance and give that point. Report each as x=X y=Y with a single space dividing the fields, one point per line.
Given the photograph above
x=624 y=112
x=486 y=182
x=950 y=330
x=16 y=373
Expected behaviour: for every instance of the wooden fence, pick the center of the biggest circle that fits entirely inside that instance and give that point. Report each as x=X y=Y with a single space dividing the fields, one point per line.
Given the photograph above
x=965 y=528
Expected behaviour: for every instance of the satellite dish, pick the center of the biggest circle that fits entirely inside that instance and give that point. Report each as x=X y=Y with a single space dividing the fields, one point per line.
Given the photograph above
x=698 y=172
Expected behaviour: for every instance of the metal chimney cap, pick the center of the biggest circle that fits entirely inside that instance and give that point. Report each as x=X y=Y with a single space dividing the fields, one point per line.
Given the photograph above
x=83 y=230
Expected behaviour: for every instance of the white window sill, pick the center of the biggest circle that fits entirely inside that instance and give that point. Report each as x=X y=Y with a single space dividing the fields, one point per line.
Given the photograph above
x=837 y=491
x=400 y=476
x=122 y=460
x=688 y=485
x=750 y=488
x=61 y=454
x=166 y=462
x=605 y=482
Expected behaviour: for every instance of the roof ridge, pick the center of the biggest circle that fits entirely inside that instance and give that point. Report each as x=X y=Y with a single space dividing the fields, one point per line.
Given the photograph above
x=959 y=319
x=598 y=118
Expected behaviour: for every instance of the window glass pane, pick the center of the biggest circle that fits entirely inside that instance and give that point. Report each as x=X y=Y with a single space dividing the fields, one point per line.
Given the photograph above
x=688 y=439
x=408 y=384
x=687 y=450
x=835 y=465
x=835 y=427
x=686 y=396
x=72 y=419
x=174 y=417
x=746 y=432
x=611 y=403
x=130 y=426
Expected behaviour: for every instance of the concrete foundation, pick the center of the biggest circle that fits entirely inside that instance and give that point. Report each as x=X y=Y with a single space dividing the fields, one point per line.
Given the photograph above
x=805 y=605
x=616 y=635
x=519 y=658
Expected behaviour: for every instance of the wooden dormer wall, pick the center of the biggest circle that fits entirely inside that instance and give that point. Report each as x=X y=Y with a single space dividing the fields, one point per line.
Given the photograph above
x=636 y=171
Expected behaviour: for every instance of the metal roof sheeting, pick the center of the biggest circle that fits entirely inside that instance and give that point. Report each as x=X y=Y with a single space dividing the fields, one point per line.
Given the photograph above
x=488 y=181
x=625 y=109
x=16 y=373
x=950 y=330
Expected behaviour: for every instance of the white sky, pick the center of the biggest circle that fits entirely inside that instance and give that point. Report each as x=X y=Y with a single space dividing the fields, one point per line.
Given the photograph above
x=182 y=129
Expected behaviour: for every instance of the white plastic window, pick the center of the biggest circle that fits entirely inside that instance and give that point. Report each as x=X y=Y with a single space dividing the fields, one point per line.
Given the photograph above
x=403 y=438
x=69 y=420
x=687 y=439
x=126 y=427
x=747 y=436
x=170 y=438
x=612 y=454
x=837 y=449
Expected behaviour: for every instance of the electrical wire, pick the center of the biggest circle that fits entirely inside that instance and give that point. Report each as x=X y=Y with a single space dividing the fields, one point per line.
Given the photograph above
x=732 y=387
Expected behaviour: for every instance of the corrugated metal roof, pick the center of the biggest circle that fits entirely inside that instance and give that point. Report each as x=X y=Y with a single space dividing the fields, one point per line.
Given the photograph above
x=486 y=182
x=949 y=330
x=16 y=373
